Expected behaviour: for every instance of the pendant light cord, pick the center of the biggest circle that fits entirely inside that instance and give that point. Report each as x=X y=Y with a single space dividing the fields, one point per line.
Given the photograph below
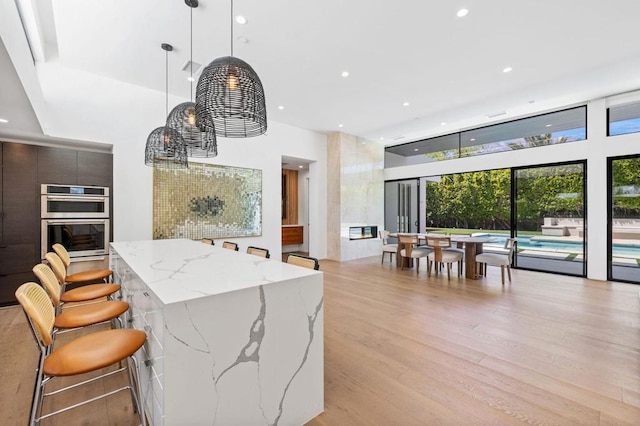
x=166 y=83
x=191 y=54
x=232 y=28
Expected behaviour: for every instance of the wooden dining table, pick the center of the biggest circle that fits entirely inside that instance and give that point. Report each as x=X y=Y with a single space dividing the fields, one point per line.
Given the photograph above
x=472 y=247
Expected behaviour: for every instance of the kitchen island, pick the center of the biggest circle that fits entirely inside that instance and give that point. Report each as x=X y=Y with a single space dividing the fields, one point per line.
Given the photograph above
x=232 y=339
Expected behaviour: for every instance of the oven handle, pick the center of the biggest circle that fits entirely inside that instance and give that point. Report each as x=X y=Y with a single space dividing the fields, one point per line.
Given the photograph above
x=75 y=198
x=74 y=222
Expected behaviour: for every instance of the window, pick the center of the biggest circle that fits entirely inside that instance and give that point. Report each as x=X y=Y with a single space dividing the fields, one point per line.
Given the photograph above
x=623 y=119
x=546 y=129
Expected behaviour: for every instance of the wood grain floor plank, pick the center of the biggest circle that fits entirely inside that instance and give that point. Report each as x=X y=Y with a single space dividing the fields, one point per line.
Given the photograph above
x=402 y=348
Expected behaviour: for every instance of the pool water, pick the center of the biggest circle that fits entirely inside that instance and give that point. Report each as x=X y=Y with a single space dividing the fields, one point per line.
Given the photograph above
x=527 y=242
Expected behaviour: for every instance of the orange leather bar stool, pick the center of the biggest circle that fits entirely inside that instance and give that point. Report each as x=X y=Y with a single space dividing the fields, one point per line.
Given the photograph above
x=304 y=261
x=76 y=316
x=83 y=276
x=85 y=354
x=257 y=251
x=80 y=294
x=229 y=245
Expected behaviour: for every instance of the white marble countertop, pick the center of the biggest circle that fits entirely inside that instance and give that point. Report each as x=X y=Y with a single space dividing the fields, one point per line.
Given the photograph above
x=181 y=270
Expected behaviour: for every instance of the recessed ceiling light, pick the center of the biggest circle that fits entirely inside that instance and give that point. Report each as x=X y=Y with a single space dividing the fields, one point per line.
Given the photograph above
x=301 y=167
x=443 y=123
x=416 y=149
x=191 y=78
x=243 y=40
x=507 y=69
x=462 y=12
x=241 y=19
x=381 y=139
x=472 y=139
x=340 y=125
x=405 y=104
x=547 y=125
x=280 y=107
x=3 y=120
x=345 y=73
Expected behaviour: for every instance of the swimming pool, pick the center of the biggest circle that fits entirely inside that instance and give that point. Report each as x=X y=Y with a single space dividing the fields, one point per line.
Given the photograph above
x=541 y=244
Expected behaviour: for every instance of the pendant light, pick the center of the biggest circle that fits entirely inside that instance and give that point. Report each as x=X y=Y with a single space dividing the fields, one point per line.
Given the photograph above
x=200 y=143
x=230 y=97
x=165 y=146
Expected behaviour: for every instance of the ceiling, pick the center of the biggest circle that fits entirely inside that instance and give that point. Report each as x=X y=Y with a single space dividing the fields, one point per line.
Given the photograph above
x=448 y=69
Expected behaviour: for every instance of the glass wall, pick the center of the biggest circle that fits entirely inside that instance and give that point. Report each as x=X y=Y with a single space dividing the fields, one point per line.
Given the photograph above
x=549 y=218
x=542 y=205
x=546 y=129
x=624 y=219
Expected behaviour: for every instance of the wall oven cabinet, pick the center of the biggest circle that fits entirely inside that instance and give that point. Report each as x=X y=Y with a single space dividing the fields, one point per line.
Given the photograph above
x=64 y=201
x=81 y=237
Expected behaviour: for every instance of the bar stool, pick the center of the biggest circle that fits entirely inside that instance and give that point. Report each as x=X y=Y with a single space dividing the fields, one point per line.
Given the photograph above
x=82 y=355
x=83 y=276
x=76 y=316
x=304 y=261
x=80 y=294
x=229 y=245
x=257 y=251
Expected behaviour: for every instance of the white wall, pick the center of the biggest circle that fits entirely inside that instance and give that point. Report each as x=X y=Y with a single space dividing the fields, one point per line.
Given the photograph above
x=85 y=114
x=595 y=150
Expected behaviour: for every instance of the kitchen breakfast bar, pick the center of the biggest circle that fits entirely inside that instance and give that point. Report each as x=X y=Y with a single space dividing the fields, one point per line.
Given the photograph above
x=232 y=339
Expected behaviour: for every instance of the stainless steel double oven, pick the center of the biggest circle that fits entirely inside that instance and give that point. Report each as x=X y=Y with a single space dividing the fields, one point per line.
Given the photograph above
x=76 y=217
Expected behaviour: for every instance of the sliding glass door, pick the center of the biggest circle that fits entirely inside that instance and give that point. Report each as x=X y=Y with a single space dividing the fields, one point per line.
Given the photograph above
x=401 y=206
x=549 y=217
x=624 y=219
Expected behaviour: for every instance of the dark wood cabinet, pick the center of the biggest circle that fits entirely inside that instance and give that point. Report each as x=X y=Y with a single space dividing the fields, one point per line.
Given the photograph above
x=71 y=167
x=95 y=168
x=19 y=246
x=24 y=168
x=57 y=165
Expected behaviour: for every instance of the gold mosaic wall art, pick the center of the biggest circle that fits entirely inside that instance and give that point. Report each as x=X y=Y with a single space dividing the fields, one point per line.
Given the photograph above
x=207 y=201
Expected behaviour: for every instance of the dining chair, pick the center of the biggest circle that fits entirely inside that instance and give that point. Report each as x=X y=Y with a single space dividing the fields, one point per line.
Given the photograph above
x=503 y=260
x=386 y=247
x=82 y=276
x=304 y=261
x=440 y=255
x=80 y=294
x=88 y=353
x=411 y=249
x=257 y=251
x=229 y=245
x=76 y=316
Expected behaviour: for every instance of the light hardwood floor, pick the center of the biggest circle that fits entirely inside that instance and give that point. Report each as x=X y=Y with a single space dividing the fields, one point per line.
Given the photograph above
x=405 y=349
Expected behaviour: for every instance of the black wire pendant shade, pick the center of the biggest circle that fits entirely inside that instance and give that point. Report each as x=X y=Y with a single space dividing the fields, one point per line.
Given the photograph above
x=199 y=143
x=230 y=99
x=166 y=149
x=165 y=146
